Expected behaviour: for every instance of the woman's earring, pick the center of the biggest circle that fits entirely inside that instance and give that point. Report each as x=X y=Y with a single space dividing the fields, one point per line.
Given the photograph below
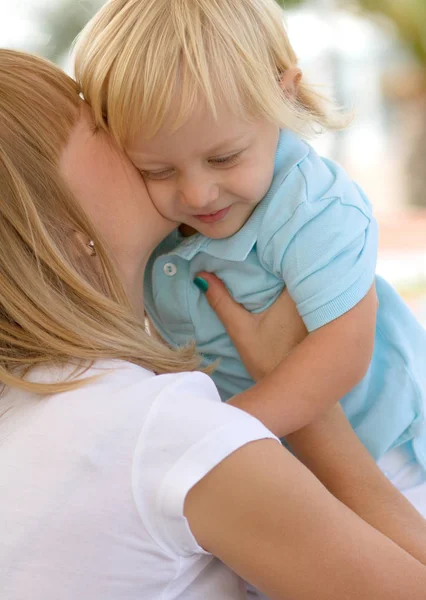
x=92 y=248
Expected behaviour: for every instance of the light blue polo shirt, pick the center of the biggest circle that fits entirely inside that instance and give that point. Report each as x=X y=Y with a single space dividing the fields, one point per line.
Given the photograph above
x=315 y=234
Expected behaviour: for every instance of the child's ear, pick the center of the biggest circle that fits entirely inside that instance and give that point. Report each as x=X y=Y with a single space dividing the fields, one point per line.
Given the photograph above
x=289 y=81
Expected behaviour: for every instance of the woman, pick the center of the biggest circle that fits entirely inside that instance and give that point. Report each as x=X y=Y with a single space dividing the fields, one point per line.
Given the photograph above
x=108 y=492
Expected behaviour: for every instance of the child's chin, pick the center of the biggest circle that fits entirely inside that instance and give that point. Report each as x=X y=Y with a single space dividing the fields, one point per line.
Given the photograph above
x=219 y=231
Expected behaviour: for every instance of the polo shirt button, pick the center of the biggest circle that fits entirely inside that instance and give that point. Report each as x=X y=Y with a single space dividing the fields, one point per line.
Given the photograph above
x=170 y=269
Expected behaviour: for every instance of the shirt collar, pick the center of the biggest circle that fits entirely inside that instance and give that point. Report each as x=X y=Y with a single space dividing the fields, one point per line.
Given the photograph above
x=291 y=150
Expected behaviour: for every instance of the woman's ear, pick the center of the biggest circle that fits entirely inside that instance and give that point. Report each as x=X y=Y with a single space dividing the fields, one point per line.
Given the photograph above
x=289 y=81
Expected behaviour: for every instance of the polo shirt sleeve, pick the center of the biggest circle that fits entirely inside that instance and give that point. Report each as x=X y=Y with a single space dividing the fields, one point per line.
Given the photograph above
x=325 y=251
x=188 y=432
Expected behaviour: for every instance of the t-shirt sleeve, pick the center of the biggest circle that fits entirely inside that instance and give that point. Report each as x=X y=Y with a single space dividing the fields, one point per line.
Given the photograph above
x=325 y=252
x=188 y=432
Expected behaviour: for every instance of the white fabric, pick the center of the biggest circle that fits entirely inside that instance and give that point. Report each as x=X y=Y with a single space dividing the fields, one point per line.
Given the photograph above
x=402 y=469
x=93 y=481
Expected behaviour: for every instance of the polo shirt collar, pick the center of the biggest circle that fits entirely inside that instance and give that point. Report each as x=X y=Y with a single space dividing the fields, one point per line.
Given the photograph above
x=291 y=150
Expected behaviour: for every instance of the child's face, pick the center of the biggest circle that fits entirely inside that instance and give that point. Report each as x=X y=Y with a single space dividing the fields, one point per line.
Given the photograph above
x=210 y=174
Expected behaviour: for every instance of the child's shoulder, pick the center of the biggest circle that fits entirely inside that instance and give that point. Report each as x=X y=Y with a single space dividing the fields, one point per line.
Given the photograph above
x=306 y=186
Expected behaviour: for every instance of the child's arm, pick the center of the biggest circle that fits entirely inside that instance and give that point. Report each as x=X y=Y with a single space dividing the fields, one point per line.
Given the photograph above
x=320 y=239
x=324 y=367
x=332 y=452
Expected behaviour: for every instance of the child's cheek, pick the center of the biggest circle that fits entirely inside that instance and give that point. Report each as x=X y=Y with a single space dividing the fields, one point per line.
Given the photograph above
x=254 y=183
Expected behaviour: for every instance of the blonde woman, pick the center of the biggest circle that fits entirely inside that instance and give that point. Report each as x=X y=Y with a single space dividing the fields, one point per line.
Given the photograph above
x=121 y=476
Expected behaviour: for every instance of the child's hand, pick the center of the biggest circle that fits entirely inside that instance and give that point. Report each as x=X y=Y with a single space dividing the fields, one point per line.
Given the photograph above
x=262 y=339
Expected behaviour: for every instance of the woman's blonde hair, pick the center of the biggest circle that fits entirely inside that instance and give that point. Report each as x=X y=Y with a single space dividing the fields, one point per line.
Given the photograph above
x=137 y=59
x=55 y=306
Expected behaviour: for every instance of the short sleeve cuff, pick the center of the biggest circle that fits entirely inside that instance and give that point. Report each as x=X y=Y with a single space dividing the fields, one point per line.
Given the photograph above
x=340 y=305
x=191 y=468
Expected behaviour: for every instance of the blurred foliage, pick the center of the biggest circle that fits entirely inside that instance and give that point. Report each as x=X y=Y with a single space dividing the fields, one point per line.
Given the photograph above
x=62 y=22
x=409 y=17
x=290 y=3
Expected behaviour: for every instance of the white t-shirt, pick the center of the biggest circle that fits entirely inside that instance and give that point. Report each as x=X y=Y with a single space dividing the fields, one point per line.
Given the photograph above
x=93 y=482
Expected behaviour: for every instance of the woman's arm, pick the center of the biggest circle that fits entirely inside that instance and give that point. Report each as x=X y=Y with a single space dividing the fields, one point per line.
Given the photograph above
x=262 y=339
x=268 y=518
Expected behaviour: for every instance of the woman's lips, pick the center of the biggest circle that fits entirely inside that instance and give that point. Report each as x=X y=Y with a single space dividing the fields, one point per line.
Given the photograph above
x=213 y=217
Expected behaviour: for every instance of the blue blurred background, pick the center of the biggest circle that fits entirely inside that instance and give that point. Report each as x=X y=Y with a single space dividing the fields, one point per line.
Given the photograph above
x=371 y=56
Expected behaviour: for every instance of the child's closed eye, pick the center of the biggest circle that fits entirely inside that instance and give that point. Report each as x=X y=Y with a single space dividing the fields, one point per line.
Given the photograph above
x=156 y=175
x=225 y=161
x=219 y=161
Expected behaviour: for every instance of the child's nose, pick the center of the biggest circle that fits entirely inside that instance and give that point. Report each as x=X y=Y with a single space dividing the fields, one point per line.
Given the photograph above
x=199 y=194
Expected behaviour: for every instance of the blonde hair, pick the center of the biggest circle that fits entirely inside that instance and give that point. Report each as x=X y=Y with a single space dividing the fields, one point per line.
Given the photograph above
x=137 y=59
x=55 y=307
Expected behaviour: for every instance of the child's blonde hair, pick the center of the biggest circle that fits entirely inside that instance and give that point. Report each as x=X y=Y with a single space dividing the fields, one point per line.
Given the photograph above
x=137 y=59
x=55 y=307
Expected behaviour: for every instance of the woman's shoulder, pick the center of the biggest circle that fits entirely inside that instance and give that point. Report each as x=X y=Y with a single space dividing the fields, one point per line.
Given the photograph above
x=123 y=400
x=119 y=387
x=109 y=390
x=127 y=380
x=115 y=377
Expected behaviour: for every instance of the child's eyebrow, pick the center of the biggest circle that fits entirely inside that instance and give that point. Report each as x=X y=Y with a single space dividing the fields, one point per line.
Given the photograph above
x=222 y=146
x=225 y=144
